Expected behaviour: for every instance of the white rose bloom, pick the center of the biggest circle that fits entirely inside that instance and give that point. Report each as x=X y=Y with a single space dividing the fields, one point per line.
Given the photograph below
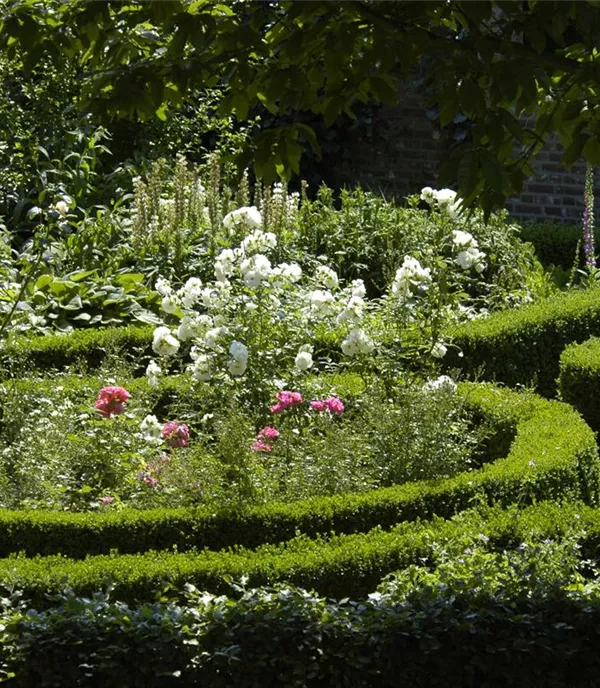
x=255 y=270
x=445 y=197
x=327 y=276
x=321 y=300
x=304 y=359
x=358 y=288
x=411 y=278
x=357 y=342
x=463 y=240
x=239 y=359
x=153 y=373
x=224 y=264
x=439 y=350
x=169 y=303
x=188 y=328
x=190 y=292
x=471 y=257
x=164 y=343
x=212 y=337
x=291 y=273
x=209 y=296
x=442 y=382
x=428 y=194
x=258 y=241
x=163 y=286
x=353 y=311
x=244 y=217
x=62 y=208
x=201 y=368
x=151 y=428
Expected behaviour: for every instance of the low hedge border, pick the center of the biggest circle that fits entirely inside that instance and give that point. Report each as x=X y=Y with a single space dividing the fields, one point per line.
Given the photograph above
x=87 y=347
x=523 y=346
x=579 y=379
x=343 y=566
x=479 y=616
x=553 y=455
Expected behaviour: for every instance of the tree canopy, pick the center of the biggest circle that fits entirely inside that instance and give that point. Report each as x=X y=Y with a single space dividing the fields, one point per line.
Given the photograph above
x=519 y=71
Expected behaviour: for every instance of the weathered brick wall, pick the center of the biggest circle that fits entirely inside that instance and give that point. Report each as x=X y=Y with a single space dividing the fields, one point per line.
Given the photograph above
x=403 y=152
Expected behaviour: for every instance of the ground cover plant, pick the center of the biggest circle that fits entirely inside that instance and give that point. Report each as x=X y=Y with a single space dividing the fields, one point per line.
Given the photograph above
x=289 y=417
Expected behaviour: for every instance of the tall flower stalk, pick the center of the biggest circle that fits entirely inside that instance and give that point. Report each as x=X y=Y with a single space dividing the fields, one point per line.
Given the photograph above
x=588 y=218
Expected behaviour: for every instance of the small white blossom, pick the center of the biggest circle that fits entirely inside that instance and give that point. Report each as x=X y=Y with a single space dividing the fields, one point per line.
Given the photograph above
x=326 y=276
x=358 y=288
x=258 y=241
x=201 y=368
x=169 y=303
x=190 y=292
x=239 y=359
x=151 y=428
x=411 y=278
x=243 y=217
x=357 y=342
x=463 y=240
x=321 y=300
x=164 y=343
x=255 y=270
x=212 y=337
x=442 y=382
x=304 y=359
x=153 y=373
x=163 y=286
x=471 y=257
x=62 y=208
x=439 y=350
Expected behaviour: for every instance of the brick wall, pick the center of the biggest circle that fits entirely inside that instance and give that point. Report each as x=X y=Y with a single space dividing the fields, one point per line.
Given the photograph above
x=403 y=151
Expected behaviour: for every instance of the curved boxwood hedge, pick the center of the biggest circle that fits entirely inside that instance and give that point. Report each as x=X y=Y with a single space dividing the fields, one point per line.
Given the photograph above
x=344 y=565
x=523 y=346
x=548 y=453
x=579 y=379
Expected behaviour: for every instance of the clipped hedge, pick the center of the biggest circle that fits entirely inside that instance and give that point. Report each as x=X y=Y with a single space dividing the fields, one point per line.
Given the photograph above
x=579 y=379
x=476 y=616
x=345 y=565
x=556 y=244
x=88 y=348
x=523 y=346
x=549 y=453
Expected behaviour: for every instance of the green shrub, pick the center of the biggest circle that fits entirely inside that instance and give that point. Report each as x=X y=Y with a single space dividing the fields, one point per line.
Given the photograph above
x=523 y=346
x=556 y=244
x=579 y=379
x=552 y=455
x=88 y=348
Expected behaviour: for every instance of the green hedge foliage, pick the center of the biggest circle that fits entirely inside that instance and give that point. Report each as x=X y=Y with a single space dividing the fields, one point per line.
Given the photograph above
x=476 y=616
x=579 y=379
x=556 y=244
x=88 y=348
x=339 y=566
x=552 y=455
x=523 y=346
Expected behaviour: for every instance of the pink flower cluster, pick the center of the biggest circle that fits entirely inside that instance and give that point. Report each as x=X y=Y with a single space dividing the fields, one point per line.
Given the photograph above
x=150 y=475
x=111 y=401
x=331 y=404
x=286 y=400
x=176 y=435
x=265 y=439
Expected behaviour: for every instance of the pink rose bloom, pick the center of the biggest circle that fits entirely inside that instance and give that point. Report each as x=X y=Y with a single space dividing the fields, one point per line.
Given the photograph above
x=176 y=435
x=319 y=406
x=277 y=408
x=289 y=398
x=269 y=434
x=259 y=445
x=106 y=500
x=334 y=404
x=111 y=401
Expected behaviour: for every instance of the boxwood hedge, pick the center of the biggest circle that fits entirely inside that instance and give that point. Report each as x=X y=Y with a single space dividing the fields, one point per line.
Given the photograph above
x=523 y=346
x=553 y=456
x=579 y=379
